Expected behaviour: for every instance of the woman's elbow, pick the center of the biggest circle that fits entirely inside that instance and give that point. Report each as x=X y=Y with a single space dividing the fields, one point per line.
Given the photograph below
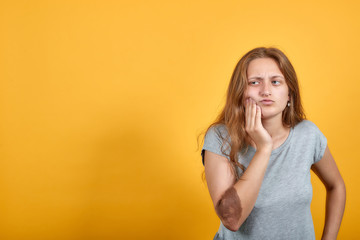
x=231 y=222
x=229 y=210
x=339 y=185
x=234 y=227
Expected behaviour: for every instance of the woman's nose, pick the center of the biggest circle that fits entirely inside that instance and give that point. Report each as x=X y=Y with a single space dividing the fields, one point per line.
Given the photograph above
x=265 y=90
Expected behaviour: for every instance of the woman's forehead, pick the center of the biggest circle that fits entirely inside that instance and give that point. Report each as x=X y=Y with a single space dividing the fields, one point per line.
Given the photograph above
x=262 y=67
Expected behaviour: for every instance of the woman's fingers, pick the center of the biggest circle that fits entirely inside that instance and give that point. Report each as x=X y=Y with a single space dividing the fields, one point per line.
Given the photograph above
x=253 y=113
x=258 y=115
x=250 y=112
x=247 y=113
x=253 y=126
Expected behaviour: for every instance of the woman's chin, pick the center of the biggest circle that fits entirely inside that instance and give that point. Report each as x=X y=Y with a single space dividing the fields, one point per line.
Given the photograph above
x=267 y=115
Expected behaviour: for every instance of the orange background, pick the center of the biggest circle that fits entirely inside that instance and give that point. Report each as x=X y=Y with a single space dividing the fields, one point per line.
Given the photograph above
x=101 y=103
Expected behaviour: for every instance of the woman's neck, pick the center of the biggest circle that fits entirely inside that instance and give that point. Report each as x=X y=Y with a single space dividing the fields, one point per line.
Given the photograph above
x=276 y=129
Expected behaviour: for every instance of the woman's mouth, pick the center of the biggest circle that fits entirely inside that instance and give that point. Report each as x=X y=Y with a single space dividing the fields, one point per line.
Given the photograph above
x=267 y=102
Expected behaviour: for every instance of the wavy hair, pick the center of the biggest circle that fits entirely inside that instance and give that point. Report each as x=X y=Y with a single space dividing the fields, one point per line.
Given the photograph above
x=233 y=113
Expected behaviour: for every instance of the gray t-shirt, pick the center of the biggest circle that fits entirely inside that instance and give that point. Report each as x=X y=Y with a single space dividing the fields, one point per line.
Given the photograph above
x=282 y=208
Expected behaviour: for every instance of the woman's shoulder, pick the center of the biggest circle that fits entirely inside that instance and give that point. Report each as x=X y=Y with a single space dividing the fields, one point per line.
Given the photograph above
x=307 y=126
x=218 y=131
x=219 y=128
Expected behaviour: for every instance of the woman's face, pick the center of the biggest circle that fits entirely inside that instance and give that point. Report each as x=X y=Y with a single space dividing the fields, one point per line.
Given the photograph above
x=267 y=87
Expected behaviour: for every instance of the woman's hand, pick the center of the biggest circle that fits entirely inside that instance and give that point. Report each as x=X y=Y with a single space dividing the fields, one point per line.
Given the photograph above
x=254 y=127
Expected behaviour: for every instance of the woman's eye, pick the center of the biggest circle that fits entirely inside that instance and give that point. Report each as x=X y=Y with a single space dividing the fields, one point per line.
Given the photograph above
x=278 y=82
x=251 y=83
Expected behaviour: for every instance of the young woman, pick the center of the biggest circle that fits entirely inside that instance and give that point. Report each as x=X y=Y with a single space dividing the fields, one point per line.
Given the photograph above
x=259 y=152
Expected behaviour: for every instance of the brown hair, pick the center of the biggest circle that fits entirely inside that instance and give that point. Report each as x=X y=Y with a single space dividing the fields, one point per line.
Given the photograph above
x=233 y=113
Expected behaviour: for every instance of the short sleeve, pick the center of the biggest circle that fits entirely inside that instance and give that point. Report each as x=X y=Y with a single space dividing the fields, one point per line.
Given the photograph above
x=321 y=143
x=213 y=141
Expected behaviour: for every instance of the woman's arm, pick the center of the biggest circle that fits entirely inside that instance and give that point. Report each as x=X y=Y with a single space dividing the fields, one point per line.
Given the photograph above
x=234 y=201
x=329 y=174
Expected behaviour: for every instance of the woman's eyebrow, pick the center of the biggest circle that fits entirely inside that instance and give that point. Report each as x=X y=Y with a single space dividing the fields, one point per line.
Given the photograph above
x=259 y=77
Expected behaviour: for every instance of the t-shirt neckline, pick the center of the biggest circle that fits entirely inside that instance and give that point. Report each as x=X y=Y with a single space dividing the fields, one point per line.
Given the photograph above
x=282 y=146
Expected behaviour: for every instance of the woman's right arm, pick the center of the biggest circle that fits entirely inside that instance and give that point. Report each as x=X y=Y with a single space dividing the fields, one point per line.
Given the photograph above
x=233 y=201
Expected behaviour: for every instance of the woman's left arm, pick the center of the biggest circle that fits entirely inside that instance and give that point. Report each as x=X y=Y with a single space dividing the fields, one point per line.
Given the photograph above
x=329 y=174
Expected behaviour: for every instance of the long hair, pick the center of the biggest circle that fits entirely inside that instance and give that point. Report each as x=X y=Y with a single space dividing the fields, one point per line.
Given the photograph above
x=232 y=115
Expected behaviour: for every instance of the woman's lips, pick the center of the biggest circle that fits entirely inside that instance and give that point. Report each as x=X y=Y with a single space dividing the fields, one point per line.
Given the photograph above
x=266 y=102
